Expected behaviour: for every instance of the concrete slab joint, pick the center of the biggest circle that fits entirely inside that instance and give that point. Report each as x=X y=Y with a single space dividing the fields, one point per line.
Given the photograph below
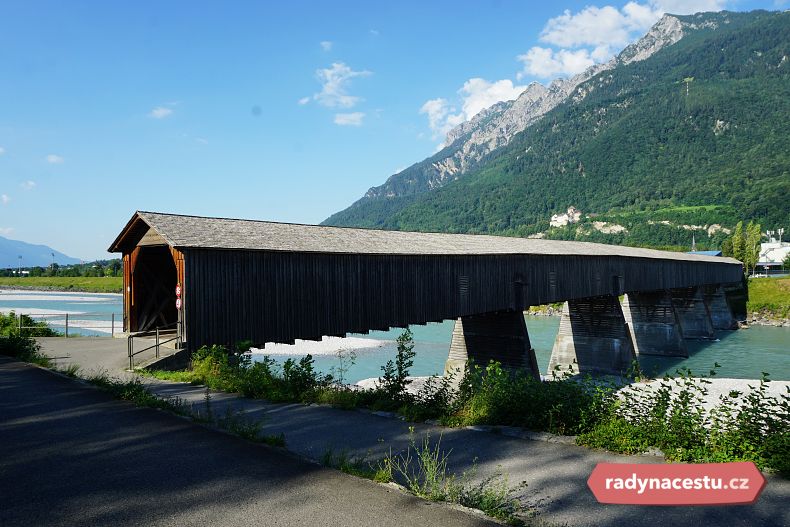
x=654 y=326
x=593 y=338
x=485 y=337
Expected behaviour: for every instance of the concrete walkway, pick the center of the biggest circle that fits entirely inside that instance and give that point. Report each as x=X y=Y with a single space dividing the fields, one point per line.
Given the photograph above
x=555 y=473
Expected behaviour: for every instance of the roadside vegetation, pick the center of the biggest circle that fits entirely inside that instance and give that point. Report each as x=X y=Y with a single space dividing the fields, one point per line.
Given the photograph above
x=21 y=345
x=666 y=415
x=86 y=284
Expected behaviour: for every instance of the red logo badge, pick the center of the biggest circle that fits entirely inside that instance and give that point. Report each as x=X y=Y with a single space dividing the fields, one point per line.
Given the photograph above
x=677 y=484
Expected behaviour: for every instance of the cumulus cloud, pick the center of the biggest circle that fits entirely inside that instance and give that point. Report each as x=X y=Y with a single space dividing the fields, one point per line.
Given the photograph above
x=6 y=231
x=4 y=199
x=594 y=34
x=326 y=45
x=28 y=185
x=304 y=100
x=349 y=119
x=335 y=81
x=160 y=112
x=475 y=95
x=54 y=159
x=545 y=63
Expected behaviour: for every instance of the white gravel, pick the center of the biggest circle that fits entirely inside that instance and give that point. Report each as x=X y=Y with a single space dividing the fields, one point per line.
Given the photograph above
x=326 y=346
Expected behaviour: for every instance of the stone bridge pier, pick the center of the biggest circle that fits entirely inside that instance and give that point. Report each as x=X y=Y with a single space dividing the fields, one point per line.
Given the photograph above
x=599 y=334
x=500 y=336
x=654 y=326
x=593 y=338
x=692 y=313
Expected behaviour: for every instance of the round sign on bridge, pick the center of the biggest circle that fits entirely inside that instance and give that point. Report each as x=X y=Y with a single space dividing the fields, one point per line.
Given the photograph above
x=178 y=303
x=178 y=290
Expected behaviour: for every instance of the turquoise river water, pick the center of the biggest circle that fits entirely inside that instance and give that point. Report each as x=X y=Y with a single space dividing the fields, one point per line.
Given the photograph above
x=742 y=354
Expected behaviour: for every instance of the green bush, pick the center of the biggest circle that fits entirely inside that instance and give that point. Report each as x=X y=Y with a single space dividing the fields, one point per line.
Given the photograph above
x=217 y=368
x=672 y=418
x=497 y=396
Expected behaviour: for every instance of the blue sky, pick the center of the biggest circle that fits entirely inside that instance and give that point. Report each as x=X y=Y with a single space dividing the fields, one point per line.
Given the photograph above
x=279 y=111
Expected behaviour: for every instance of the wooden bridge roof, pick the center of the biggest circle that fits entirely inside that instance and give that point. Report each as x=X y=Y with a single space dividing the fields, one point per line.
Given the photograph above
x=181 y=231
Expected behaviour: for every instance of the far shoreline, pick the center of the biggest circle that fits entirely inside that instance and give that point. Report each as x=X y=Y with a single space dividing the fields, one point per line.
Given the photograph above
x=55 y=289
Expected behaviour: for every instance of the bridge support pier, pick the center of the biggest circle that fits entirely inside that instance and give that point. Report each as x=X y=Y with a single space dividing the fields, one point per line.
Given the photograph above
x=720 y=313
x=692 y=313
x=500 y=337
x=653 y=324
x=593 y=338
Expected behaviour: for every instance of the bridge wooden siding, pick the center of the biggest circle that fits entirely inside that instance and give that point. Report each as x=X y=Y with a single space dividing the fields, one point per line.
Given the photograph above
x=266 y=295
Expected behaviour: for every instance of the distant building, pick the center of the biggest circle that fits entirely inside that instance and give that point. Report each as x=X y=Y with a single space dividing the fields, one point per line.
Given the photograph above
x=773 y=254
x=572 y=215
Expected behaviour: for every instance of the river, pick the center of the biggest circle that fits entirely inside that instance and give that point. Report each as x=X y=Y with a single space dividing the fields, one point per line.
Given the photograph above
x=743 y=354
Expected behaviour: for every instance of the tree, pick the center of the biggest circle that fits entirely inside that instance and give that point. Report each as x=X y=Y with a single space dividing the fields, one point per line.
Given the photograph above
x=786 y=262
x=726 y=247
x=738 y=242
x=752 y=246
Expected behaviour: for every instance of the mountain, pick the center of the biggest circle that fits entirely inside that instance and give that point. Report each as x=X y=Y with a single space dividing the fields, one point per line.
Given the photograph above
x=684 y=132
x=32 y=255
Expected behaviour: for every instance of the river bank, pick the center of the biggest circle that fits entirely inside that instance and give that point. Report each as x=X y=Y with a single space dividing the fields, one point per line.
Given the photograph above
x=81 y=284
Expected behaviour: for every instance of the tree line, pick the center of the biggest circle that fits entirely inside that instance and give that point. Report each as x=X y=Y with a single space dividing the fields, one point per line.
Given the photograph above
x=98 y=268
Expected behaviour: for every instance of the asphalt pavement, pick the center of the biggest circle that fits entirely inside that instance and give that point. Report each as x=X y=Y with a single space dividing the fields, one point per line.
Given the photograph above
x=72 y=456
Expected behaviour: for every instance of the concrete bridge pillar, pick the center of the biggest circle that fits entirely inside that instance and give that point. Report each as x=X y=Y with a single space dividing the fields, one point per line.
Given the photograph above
x=500 y=337
x=692 y=313
x=653 y=324
x=593 y=338
x=718 y=308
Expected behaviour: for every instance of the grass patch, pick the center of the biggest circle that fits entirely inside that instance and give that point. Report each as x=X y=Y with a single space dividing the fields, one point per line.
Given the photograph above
x=86 y=284
x=422 y=469
x=135 y=392
x=769 y=296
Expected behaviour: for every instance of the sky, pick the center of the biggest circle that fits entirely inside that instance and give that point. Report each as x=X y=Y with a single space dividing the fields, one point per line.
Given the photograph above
x=281 y=111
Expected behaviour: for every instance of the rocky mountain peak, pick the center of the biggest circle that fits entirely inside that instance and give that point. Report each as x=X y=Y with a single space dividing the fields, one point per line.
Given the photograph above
x=466 y=144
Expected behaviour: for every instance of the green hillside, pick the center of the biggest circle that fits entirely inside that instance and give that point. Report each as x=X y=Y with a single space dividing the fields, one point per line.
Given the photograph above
x=637 y=150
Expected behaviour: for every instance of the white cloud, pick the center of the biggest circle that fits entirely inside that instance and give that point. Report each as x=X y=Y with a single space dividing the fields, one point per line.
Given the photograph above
x=6 y=231
x=335 y=81
x=201 y=140
x=28 y=185
x=594 y=34
x=349 y=119
x=4 y=199
x=478 y=94
x=54 y=159
x=2 y=150
x=441 y=116
x=326 y=45
x=304 y=100
x=545 y=63
x=374 y=32
x=160 y=112
x=475 y=95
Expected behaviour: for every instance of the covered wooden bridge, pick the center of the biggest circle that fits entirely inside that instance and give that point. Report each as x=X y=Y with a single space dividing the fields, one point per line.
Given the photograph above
x=276 y=282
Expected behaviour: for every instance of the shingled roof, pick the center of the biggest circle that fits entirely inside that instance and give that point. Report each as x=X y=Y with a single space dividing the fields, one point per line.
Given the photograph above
x=181 y=231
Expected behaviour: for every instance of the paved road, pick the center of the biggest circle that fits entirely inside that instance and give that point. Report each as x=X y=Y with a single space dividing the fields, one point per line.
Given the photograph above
x=69 y=455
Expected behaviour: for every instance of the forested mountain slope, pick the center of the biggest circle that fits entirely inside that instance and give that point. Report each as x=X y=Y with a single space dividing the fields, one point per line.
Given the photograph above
x=696 y=134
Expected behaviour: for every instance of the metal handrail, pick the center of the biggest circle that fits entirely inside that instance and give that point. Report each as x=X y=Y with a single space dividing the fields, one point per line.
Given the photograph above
x=157 y=344
x=65 y=316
